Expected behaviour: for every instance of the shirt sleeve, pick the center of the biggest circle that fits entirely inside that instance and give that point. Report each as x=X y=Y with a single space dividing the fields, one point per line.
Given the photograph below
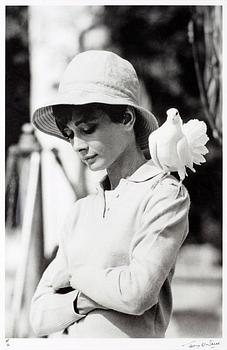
x=135 y=288
x=50 y=311
x=53 y=311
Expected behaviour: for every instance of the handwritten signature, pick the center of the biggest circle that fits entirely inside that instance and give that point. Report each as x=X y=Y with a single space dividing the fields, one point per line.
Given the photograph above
x=194 y=344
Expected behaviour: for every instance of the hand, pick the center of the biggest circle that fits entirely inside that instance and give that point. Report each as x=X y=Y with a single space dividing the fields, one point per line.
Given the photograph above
x=61 y=280
x=84 y=304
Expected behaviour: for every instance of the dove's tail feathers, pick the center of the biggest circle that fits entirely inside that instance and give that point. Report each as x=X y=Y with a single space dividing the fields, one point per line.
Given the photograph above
x=182 y=173
x=198 y=158
x=192 y=169
x=195 y=132
x=200 y=149
x=200 y=140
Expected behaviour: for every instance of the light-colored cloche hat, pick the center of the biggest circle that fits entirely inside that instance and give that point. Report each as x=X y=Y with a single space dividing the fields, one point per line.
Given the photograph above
x=102 y=77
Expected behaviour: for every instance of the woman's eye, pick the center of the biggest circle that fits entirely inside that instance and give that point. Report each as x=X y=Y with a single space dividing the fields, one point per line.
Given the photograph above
x=67 y=133
x=88 y=129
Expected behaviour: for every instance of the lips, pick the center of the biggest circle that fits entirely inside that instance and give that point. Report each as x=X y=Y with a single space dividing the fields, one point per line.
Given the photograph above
x=89 y=157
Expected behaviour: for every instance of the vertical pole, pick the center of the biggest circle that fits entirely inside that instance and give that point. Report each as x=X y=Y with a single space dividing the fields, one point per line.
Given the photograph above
x=30 y=255
x=26 y=238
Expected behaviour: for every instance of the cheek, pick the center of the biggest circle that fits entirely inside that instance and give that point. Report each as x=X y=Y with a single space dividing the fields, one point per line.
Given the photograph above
x=111 y=145
x=103 y=143
x=108 y=144
x=97 y=146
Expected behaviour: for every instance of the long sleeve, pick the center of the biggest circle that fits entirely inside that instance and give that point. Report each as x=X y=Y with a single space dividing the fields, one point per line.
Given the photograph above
x=50 y=311
x=135 y=288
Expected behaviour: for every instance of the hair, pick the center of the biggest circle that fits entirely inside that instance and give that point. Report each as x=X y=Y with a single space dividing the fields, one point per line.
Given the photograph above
x=116 y=113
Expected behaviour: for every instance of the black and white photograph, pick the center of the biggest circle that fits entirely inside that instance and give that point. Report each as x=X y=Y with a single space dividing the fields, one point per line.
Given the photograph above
x=113 y=175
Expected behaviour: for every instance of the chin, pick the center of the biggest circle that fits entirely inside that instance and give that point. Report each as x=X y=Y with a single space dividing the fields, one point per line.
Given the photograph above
x=96 y=166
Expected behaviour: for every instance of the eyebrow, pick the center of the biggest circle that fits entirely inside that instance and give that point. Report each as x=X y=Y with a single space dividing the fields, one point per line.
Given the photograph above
x=83 y=120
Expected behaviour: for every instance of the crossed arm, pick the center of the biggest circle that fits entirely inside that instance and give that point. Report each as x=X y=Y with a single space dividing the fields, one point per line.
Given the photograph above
x=131 y=289
x=52 y=310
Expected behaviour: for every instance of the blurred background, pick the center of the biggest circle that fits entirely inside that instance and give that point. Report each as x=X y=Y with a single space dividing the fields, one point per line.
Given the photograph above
x=177 y=53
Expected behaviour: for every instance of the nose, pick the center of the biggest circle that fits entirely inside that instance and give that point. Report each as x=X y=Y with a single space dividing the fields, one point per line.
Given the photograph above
x=79 y=145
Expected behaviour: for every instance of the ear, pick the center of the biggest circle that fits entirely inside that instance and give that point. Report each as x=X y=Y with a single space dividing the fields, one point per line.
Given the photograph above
x=129 y=117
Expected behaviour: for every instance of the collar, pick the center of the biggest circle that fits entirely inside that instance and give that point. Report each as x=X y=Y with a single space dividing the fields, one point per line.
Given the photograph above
x=144 y=173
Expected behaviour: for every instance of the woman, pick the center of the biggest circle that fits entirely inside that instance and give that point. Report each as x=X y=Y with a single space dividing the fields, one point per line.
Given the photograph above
x=119 y=246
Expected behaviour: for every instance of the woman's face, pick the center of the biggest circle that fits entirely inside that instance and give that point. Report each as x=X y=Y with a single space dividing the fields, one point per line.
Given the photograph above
x=98 y=141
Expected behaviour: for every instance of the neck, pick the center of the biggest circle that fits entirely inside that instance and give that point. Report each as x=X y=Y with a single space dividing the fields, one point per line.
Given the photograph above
x=125 y=165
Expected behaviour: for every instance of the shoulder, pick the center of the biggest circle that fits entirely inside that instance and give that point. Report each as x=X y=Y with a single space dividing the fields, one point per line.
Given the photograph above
x=171 y=185
x=168 y=190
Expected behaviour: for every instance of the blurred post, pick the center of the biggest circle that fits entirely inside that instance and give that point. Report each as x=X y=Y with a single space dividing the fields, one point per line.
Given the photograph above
x=30 y=256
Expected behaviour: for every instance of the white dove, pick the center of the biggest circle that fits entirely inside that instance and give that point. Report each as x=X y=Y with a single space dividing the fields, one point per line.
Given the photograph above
x=175 y=146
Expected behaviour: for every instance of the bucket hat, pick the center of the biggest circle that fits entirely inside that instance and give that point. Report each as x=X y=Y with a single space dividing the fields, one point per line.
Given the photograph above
x=102 y=77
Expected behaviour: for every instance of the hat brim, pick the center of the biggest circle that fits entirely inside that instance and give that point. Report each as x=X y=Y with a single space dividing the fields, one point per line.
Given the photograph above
x=44 y=120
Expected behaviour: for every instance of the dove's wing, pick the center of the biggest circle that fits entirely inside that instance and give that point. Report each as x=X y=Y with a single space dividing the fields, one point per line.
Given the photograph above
x=183 y=153
x=153 y=148
x=195 y=132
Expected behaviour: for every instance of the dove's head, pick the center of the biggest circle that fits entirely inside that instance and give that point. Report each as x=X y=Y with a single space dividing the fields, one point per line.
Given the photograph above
x=173 y=116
